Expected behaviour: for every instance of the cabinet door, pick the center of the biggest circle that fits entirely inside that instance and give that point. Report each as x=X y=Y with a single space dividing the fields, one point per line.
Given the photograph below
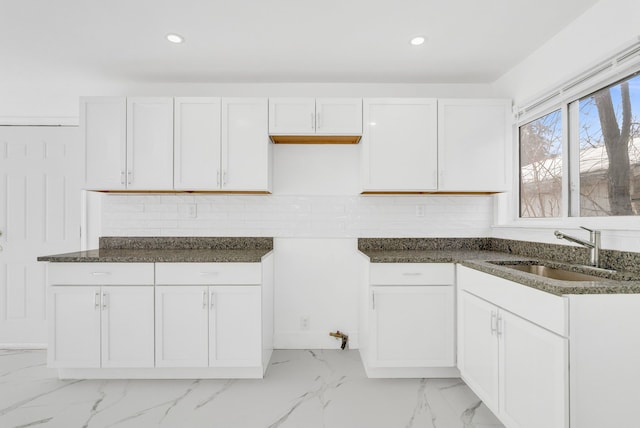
x=149 y=143
x=292 y=116
x=339 y=116
x=478 y=347
x=534 y=378
x=103 y=124
x=472 y=145
x=197 y=150
x=246 y=149
x=127 y=326
x=399 y=145
x=412 y=326
x=235 y=326
x=181 y=326
x=74 y=326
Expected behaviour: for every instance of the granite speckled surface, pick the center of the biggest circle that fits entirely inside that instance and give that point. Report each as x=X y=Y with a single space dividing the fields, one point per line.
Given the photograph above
x=170 y=250
x=479 y=253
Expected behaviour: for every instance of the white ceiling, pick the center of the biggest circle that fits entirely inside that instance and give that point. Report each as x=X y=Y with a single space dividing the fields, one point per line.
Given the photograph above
x=469 y=41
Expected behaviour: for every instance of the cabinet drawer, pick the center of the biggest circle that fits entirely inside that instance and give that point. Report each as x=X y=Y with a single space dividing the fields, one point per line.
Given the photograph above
x=208 y=273
x=100 y=274
x=412 y=274
x=539 y=307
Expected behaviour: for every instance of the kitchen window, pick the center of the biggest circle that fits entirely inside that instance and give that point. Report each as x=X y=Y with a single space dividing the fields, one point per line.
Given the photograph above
x=603 y=160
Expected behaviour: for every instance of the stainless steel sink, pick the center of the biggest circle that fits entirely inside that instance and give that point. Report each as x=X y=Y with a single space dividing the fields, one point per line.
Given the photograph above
x=553 y=273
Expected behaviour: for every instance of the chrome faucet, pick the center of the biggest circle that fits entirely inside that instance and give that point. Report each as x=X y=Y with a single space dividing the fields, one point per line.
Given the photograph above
x=593 y=243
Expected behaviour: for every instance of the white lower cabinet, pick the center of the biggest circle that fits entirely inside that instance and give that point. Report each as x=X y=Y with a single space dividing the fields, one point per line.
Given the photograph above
x=208 y=326
x=408 y=329
x=101 y=326
x=518 y=368
x=412 y=326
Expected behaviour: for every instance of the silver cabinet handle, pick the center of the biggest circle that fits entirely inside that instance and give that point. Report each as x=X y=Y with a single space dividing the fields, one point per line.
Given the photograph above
x=104 y=300
x=212 y=300
x=100 y=273
x=204 y=299
x=499 y=326
x=224 y=177
x=312 y=122
x=412 y=273
x=318 y=123
x=493 y=322
x=218 y=177
x=96 y=300
x=373 y=301
x=121 y=177
x=129 y=177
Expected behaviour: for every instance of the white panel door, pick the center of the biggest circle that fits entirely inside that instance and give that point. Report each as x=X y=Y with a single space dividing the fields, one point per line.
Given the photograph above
x=478 y=347
x=339 y=116
x=246 y=148
x=150 y=143
x=292 y=116
x=472 y=145
x=182 y=326
x=235 y=326
x=197 y=144
x=412 y=326
x=74 y=326
x=40 y=180
x=534 y=375
x=399 y=145
x=127 y=326
x=103 y=125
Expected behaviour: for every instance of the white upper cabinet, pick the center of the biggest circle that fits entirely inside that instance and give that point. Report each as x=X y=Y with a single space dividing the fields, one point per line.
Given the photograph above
x=103 y=122
x=315 y=116
x=128 y=143
x=197 y=136
x=246 y=149
x=473 y=147
x=400 y=145
x=149 y=143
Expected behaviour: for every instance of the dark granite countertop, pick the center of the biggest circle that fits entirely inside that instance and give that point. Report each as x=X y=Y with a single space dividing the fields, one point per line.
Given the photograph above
x=170 y=250
x=479 y=253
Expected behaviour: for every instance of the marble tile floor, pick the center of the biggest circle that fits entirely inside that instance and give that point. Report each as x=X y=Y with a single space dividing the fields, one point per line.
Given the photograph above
x=302 y=389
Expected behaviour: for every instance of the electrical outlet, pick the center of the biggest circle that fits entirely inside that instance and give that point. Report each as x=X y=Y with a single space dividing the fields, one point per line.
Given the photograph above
x=192 y=211
x=304 y=322
x=420 y=209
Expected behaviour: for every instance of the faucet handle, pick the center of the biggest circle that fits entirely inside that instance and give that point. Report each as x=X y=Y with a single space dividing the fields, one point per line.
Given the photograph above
x=587 y=229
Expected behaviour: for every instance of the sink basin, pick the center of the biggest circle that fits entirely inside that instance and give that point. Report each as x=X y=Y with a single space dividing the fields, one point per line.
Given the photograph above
x=553 y=273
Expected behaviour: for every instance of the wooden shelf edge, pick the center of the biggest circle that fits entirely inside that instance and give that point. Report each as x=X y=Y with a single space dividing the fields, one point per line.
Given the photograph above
x=315 y=139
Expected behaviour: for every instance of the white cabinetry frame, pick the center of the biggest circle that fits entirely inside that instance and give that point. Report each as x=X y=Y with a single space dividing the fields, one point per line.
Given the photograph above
x=93 y=325
x=400 y=145
x=194 y=320
x=408 y=327
x=315 y=116
x=515 y=365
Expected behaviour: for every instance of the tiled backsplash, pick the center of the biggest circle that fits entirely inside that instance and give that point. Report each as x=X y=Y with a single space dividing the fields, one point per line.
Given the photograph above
x=296 y=216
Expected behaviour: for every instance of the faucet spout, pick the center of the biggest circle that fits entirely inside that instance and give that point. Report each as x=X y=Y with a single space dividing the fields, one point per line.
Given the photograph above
x=593 y=243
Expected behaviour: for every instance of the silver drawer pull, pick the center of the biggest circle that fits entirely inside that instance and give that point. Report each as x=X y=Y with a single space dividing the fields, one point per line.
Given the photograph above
x=412 y=273
x=100 y=273
x=209 y=273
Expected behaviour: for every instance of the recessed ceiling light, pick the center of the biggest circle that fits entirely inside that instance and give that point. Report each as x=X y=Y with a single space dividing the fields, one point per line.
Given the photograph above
x=417 y=41
x=175 y=38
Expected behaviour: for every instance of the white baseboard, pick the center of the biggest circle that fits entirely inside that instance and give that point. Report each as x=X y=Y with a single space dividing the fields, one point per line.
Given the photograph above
x=311 y=340
x=23 y=346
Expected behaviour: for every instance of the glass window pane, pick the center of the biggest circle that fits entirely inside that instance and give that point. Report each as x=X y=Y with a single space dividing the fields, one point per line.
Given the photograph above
x=610 y=150
x=541 y=166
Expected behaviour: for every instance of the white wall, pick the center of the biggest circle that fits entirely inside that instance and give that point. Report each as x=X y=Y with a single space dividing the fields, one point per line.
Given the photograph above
x=316 y=216
x=598 y=33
